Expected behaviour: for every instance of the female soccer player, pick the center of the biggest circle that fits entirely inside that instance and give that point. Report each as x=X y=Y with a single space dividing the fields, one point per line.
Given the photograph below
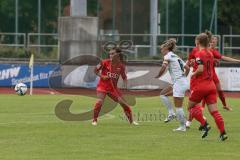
x=109 y=71
x=178 y=71
x=203 y=76
x=217 y=56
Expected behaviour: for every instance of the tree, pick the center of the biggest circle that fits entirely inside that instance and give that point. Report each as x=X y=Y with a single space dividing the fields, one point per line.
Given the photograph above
x=228 y=14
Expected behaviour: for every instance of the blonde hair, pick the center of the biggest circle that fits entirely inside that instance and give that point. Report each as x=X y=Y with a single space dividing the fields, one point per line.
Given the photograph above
x=170 y=44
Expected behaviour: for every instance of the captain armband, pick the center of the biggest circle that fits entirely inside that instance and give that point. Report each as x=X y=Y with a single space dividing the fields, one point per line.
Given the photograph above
x=199 y=61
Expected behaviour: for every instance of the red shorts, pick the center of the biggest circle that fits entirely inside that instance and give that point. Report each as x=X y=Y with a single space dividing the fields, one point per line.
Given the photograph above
x=206 y=91
x=113 y=93
x=215 y=78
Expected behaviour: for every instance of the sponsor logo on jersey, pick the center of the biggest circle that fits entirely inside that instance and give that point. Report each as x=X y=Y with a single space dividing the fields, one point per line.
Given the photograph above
x=112 y=75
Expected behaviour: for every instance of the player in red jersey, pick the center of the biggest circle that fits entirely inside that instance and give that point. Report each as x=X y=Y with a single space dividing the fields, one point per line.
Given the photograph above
x=109 y=71
x=218 y=56
x=204 y=88
x=191 y=63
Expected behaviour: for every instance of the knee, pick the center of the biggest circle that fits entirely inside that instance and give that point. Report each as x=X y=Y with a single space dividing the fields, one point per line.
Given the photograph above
x=163 y=96
x=99 y=102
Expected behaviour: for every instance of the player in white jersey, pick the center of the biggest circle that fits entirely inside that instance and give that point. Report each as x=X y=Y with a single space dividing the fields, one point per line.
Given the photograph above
x=178 y=72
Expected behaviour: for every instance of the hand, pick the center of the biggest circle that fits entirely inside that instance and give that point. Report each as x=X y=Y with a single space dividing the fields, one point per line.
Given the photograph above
x=228 y=108
x=192 y=75
x=216 y=62
x=191 y=63
x=104 y=77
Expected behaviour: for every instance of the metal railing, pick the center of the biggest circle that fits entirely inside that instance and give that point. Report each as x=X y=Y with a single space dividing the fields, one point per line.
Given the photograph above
x=46 y=45
x=12 y=45
x=13 y=39
x=43 y=44
x=228 y=45
x=143 y=43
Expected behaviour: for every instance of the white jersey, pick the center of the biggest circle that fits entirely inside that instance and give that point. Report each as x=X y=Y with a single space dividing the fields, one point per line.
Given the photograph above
x=175 y=66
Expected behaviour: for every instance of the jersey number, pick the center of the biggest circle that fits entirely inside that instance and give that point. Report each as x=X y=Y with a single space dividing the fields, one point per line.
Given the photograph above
x=208 y=69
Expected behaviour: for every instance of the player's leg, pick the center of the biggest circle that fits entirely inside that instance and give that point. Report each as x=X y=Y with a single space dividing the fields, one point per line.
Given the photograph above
x=222 y=96
x=168 y=91
x=100 y=99
x=203 y=103
x=212 y=108
x=190 y=118
x=196 y=111
x=126 y=108
x=178 y=101
x=179 y=89
x=117 y=97
x=220 y=92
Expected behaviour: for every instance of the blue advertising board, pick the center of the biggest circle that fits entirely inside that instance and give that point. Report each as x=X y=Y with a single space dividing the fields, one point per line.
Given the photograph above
x=11 y=74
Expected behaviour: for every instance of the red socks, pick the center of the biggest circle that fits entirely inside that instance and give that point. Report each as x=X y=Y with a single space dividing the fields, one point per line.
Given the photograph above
x=218 y=120
x=96 y=110
x=196 y=112
x=128 y=113
x=222 y=97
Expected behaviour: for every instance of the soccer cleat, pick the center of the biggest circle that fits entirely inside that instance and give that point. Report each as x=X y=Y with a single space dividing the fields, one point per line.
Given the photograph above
x=169 y=118
x=200 y=128
x=180 y=129
x=223 y=136
x=94 y=123
x=188 y=124
x=135 y=123
x=205 y=130
x=228 y=108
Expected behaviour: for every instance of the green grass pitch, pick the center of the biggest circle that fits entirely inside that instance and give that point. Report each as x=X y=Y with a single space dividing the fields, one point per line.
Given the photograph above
x=30 y=130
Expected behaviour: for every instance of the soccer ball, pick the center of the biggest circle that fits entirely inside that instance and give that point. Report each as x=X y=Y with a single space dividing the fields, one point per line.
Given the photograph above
x=21 y=89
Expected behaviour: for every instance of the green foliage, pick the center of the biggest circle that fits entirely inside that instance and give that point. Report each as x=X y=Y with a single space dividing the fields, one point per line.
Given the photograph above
x=92 y=7
x=228 y=13
x=12 y=52
x=28 y=15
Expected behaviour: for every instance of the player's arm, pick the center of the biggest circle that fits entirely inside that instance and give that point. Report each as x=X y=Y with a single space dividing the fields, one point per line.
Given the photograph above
x=216 y=62
x=186 y=69
x=191 y=58
x=97 y=71
x=199 y=69
x=229 y=59
x=190 y=62
x=163 y=68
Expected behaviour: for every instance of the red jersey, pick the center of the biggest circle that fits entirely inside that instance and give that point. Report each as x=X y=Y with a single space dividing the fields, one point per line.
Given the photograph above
x=113 y=72
x=191 y=57
x=192 y=53
x=205 y=58
x=216 y=54
x=202 y=86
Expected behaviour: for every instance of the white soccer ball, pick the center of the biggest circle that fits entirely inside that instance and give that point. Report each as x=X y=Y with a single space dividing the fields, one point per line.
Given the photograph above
x=21 y=89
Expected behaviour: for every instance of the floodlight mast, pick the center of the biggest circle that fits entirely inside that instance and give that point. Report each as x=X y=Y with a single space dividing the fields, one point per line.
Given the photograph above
x=153 y=26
